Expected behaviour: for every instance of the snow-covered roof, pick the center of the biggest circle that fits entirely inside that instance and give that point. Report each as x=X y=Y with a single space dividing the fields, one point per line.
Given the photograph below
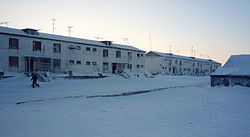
x=170 y=55
x=236 y=65
x=24 y=32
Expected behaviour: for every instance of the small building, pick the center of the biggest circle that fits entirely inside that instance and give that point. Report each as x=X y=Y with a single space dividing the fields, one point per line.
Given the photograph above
x=236 y=71
x=171 y=64
x=28 y=50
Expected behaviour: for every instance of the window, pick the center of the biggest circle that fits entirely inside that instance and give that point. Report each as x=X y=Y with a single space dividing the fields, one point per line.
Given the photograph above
x=169 y=69
x=180 y=62
x=71 y=62
x=105 y=53
x=87 y=48
x=94 y=50
x=138 y=66
x=138 y=54
x=143 y=66
x=105 y=65
x=94 y=63
x=78 y=62
x=176 y=61
x=129 y=55
x=87 y=62
x=13 y=43
x=37 y=46
x=141 y=55
x=56 y=48
x=118 y=54
x=130 y=66
x=13 y=61
x=56 y=63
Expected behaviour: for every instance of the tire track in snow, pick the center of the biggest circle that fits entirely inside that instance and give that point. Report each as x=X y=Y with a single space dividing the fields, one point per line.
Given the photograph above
x=126 y=93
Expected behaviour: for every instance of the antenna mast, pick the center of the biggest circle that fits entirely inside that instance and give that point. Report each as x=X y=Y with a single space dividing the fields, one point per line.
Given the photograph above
x=150 y=42
x=170 y=51
x=5 y=22
x=53 y=24
x=69 y=29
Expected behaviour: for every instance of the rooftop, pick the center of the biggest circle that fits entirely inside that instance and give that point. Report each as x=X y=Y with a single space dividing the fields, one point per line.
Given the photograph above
x=236 y=65
x=33 y=33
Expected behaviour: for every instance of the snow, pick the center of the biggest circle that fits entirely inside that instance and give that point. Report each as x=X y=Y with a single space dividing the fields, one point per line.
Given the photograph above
x=236 y=65
x=177 y=106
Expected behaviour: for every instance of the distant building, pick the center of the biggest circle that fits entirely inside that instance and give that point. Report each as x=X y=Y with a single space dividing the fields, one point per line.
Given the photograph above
x=236 y=71
x=28 y=50
x=170 y=64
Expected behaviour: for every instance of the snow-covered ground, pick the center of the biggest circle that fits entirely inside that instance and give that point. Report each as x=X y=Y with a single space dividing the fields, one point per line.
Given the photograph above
x=178 y=106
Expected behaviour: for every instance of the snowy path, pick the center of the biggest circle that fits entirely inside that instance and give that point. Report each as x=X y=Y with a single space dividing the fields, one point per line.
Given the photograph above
x=127 y=93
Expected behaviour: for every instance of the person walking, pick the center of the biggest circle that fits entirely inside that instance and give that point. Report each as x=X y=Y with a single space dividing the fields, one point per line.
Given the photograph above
x=34 y=80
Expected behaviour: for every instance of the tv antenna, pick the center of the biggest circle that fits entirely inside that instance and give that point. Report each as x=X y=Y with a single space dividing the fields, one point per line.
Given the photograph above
x=98 y=38
x=192 y=51
x=150 y=42
x=53 y=25
x=69 y=29
x=5 y=22
x=125 y=40
x=170 y=49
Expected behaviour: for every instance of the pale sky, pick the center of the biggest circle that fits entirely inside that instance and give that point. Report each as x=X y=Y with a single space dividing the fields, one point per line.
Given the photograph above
x=215 y=28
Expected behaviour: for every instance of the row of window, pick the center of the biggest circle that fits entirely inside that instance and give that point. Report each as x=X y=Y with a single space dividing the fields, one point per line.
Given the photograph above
x=37 y=46
x=78 y=62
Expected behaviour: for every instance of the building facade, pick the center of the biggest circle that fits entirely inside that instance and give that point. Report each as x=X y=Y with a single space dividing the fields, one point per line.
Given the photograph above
x=170 y=64
x=28 y=50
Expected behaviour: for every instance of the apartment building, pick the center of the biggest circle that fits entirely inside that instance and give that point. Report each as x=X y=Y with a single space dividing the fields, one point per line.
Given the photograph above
x=28 y=50
x=170 y=64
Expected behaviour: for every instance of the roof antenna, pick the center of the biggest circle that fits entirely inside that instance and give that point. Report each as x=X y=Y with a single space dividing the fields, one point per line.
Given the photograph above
x=170 y=49
x=69 y=29
x=5 y=22
x=125 y=40
x=150 y=42
x=53 y=25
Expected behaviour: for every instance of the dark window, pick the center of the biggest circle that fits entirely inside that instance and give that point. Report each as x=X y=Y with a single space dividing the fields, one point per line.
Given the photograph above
x=56 y=48
x=130 y=66
x=88 y=49
x=138 y=54
x=105 y=65
x=129 y=55
x=138 y=66
x=141 y=55
x=13 y=61
x=87 y=63
x=78 y=62
x=71 y=62
x=94 y=49
x=37 y=45
x=56 y=63
x=105 y=53
x=143 y=67
x=13 y=43
x=118 y=54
